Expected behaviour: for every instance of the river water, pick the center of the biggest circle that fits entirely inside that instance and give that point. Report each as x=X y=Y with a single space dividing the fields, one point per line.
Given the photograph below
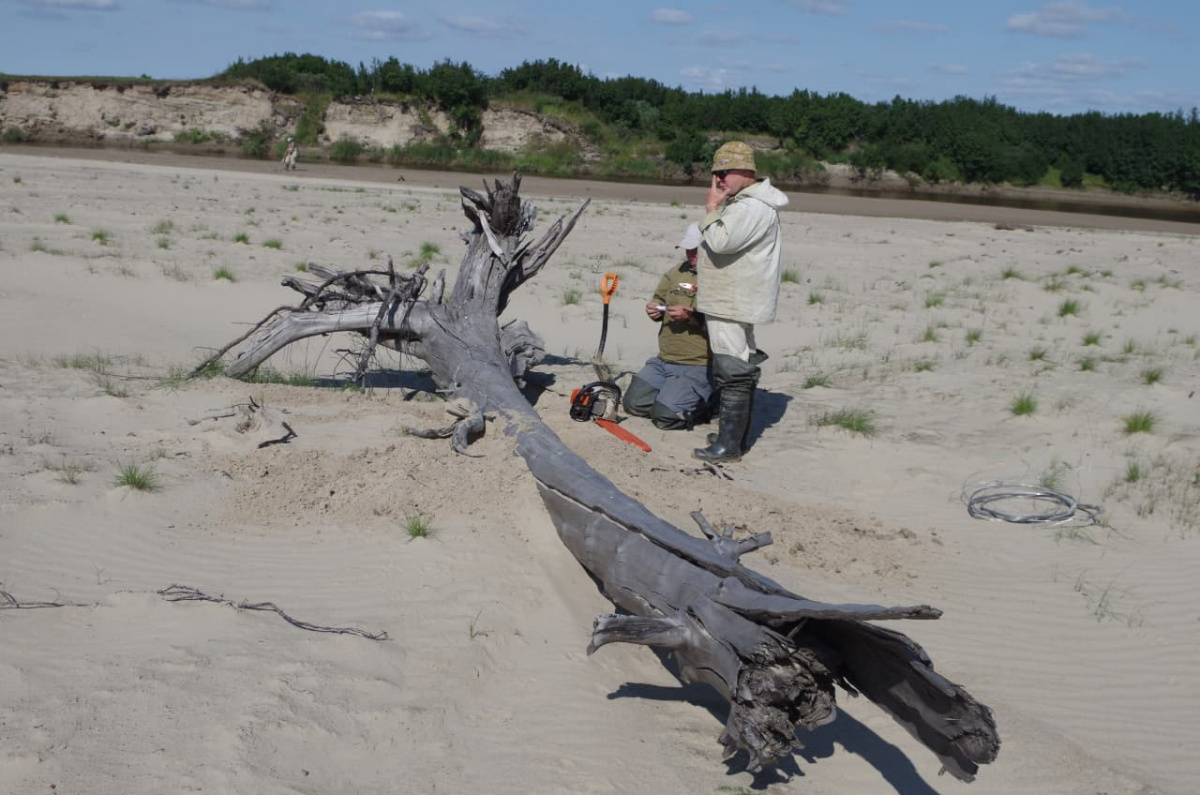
x=1001 y=209
x=1184 y=213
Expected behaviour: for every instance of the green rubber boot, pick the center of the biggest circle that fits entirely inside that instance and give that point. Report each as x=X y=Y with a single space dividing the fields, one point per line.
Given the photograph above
x=735 y=379
x=734 y=420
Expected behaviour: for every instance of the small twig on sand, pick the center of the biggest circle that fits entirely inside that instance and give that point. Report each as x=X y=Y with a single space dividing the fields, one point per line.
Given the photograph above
x=287 y=437
x=10 y=602
x=184 y=593
x=713 y=469
x=233 y=411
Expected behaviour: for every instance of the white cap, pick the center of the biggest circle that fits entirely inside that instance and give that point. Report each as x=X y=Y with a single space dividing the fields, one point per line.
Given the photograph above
x=691 y=238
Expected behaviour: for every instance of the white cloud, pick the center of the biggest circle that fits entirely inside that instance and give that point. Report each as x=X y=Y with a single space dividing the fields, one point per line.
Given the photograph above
x=952 y=69
x=729 y=74
x=234 y=5
x=910 y=26
x=481 y=27
x=705 y=79
x=1065 y=100
x=831 y=7
x=670 y=16
x=1053 y=99
x=1070 y=83
x=239 y=4
x=1071 y=99
x=721 y=37
x=85 y=5
x=385 y=26
x=778 y=38
x=890 y=83
x=730 y=66
x=1069 y=19
x=1080 y=68
x=730 y=38
x=1167 y=101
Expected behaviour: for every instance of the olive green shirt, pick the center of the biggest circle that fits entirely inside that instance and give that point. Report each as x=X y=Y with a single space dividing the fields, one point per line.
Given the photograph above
x=681 y=341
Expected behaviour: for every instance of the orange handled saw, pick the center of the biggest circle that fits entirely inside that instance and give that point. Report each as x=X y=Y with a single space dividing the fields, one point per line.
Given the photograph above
x=598 y=401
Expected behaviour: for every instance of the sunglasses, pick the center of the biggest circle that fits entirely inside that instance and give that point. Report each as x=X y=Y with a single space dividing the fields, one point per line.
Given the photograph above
x=721 y=174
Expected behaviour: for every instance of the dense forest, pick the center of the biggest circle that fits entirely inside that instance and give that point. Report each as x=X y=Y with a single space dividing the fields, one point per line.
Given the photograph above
x=963 y=139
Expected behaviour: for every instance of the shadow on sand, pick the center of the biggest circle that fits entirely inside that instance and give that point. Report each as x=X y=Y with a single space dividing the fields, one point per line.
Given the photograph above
x=846 y=731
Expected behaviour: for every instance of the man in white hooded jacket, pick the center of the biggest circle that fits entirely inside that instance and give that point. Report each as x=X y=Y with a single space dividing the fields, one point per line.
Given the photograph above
x=739 y=286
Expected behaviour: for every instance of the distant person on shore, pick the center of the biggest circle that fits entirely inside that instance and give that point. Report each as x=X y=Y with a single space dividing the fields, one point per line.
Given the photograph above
x=739 y=286
x=674 y=387
x=289 y=157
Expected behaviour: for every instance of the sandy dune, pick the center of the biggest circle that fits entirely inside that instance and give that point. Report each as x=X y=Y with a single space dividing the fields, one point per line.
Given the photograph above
x=1084 y=640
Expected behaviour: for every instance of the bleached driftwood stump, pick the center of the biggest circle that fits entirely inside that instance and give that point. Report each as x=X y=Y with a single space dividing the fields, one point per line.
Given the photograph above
x=774 y=655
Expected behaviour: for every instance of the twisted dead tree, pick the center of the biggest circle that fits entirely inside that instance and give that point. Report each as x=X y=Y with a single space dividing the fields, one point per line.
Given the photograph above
x=774 y=655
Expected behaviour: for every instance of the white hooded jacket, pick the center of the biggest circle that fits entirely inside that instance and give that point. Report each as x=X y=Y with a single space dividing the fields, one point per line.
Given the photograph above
x=738 y=274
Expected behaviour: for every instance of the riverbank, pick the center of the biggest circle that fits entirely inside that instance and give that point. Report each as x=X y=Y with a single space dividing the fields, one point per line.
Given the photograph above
x=911 y=362
x=1005 y=206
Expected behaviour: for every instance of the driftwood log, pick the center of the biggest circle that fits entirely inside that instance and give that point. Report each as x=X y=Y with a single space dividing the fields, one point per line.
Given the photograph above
x=774 y=655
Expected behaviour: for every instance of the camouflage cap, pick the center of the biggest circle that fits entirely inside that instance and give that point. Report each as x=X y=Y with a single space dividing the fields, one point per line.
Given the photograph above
x=734 y=154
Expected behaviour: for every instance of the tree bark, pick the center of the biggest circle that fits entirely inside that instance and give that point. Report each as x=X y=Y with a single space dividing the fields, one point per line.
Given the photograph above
x=774 y=655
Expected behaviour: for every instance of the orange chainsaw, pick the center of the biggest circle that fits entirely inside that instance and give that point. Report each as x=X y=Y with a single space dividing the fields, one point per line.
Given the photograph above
x=598 y=402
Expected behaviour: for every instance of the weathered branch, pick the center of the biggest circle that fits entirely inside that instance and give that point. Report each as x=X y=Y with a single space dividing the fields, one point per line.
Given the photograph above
x=220 y=352
x=10 y=602
x=470 y=424
x=185 y=593
x=406 y=291
x=299 y=325
x=724 y=542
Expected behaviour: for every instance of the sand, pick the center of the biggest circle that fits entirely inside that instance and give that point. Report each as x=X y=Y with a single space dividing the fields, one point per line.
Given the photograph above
x=1084 y=640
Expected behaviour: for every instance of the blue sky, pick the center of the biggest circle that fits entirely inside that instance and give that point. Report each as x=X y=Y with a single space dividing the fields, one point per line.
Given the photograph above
x=1063 y=57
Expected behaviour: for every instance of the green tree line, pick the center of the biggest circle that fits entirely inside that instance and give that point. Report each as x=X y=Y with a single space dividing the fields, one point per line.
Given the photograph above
x=962 y=139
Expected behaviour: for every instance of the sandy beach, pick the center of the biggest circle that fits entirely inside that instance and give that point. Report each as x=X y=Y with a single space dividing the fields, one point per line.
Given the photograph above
x=1008 y=347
